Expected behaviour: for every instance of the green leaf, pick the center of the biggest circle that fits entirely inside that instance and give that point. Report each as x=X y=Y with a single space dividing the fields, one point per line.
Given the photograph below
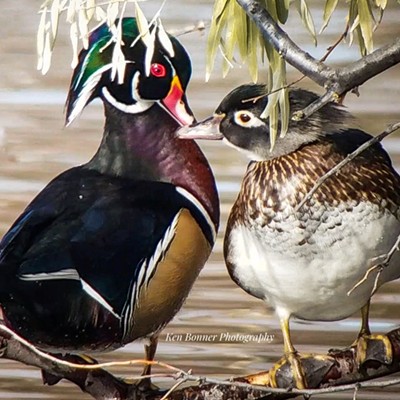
x=252 y=45
x=218 y=23
x=283 y=101
x=282 y=10
x=381 y=4
x=307 y=18
x=366 y=24
x=242 y=23
x=330 y=7
x=353 y=19
x=361 y=42
x=229 y=42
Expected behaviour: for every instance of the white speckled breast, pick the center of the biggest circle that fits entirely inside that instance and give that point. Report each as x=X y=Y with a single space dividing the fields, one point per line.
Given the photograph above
x=304 y=262
x=306 y=267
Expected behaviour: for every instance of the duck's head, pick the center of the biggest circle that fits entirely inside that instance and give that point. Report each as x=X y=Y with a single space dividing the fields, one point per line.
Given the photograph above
x=238 y=121
x=156 y=73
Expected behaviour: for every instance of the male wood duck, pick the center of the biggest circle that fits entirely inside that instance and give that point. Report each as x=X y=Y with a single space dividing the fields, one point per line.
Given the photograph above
x=307 y=262
x=108 y=251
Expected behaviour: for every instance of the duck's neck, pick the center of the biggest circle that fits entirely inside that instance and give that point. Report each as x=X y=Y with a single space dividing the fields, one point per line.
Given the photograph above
x=144 y=147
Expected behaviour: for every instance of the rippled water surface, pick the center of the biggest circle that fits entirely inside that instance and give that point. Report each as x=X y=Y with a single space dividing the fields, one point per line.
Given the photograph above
x=34 y=147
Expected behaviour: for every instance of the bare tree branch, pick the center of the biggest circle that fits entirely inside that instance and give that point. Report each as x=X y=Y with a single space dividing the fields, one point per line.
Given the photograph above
x=336 y=81
x=294 y=55
x=336 y=372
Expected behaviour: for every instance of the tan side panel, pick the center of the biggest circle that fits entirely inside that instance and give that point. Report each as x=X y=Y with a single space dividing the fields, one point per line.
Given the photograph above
x=173 y=279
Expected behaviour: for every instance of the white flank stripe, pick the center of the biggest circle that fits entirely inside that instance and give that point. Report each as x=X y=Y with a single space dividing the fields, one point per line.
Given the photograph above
x=96 y=296
x=146 y=269
x=141 y=277
x=200 y=207
x=162 y=246
x=70 y=274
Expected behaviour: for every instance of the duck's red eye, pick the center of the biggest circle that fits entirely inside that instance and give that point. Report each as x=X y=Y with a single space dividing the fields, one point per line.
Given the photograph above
x=158 y=70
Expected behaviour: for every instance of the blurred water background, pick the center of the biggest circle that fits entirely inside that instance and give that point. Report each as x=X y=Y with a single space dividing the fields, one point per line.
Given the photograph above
x=35 y=147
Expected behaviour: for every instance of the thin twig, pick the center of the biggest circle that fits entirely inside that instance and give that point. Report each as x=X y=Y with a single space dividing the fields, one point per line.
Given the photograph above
x=56 y=360
x=338 y=41
x=390 y=129
x=177 y=384
x=380 y=267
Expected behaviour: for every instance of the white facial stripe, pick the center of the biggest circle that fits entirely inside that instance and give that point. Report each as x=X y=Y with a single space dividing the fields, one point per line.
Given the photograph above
x=134 y=86
x=96 y=296
x=136 y=108
x=69 y=274
x=200 y=207
x=86 y=92
x=240 y=118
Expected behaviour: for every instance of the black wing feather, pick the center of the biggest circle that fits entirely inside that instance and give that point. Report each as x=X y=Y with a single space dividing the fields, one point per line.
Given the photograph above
x=103 y=227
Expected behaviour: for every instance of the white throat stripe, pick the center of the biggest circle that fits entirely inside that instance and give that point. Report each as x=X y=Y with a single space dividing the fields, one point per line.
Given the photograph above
x=136 y=108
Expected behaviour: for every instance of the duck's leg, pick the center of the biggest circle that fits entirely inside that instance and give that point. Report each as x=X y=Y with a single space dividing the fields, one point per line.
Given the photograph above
x=369 y=346
x=291 y=356
x=150 y=351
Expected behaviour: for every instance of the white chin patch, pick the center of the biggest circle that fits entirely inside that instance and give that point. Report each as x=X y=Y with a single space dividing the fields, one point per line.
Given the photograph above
x=249 y=154
x=136 y=108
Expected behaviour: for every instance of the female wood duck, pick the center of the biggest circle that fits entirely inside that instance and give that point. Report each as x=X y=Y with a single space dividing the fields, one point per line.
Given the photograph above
x=306 y=262
x=108 y=251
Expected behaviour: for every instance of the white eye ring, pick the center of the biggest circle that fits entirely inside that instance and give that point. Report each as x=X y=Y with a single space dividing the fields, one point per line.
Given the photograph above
x=247 y=119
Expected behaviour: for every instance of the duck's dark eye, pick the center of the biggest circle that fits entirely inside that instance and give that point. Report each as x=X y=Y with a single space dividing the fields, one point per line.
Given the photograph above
x=158 y=70
x=244 y=118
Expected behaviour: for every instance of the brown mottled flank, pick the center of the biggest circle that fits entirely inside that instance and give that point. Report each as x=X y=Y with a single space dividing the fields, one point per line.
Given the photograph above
x=281 y=183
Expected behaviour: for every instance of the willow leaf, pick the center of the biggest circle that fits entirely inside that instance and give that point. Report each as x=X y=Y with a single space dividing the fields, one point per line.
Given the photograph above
x=229 y=43
x=284 y=108
x=273 y=56
x=218 y=23
x=83 y=25
x=252 y=45
x=381 y=4
x=90 y=9
x=270 y=6
x=40 y=39
x=55 y=14
x=366 y=23
x=282 y=10
x=273 y=120
x=46 y=52
x=73 y=35
x=71 y=10
x=353 y=20
x=330 y=7
x=283 y=101
x=307 y=18
x=361 y=42
x=241 y=23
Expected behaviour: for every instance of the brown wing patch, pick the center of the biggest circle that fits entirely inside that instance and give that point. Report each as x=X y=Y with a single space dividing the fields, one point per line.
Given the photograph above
x=174 y=277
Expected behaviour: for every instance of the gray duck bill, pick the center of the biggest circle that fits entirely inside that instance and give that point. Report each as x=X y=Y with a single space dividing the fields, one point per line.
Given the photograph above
x=207 y=129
